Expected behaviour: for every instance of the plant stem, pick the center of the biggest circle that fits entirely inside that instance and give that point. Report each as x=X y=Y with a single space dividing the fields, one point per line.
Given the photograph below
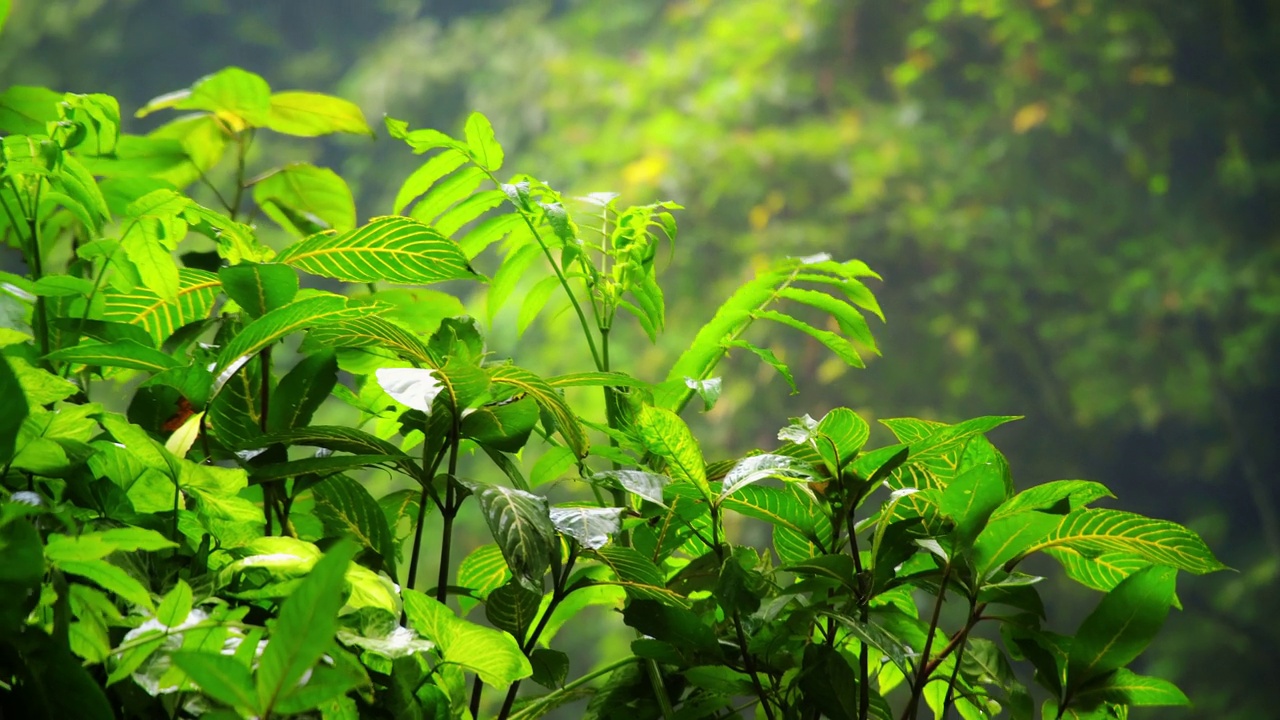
x=927 y=667
x=558 y=594
x=448 y=512
x=243 y=141
x=955 y=671
x=428 y=476
x=571 y=686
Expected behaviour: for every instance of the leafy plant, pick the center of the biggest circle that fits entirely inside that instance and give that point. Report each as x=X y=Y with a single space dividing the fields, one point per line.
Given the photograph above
x=183 y=534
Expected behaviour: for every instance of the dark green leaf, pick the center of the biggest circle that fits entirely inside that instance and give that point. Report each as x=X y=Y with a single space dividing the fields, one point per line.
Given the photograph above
x=16 y=403
x=512 y=607
x=259 y=289
x=301 y=391
x=222 y=678
x=1122 y=625
x=522 y=527
x=348 y=510
x=550 y=667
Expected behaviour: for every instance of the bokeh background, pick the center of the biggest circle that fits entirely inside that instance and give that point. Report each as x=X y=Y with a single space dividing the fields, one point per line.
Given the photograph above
x=1075 y=206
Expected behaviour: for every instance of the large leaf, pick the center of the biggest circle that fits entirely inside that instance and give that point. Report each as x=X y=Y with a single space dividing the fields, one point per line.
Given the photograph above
x=1060 y=496
x=421 y=180
x=494 y=656
x=1125 y=687
x=549 y=399
x=276 y=324
x=301 y=391
x=306 y=199
x=223 y=678
x=665 y=435
x=348 y=510
x=1094 y=531
x=638 y=575
x=387 y=249
x=309 y=114
x=512 y=608
x=197 y=291
x=591 y=527
x=1010 y=537
x=239 y=98
x=121 y=353
x=305 y=626
x=1122 y=625
x=259 y=289
x=373 y=332
x=16 y=403
x=521 y=525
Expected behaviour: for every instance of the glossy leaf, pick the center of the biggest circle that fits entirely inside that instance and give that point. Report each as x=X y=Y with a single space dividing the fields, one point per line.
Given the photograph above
x=591 y=527
x=308 y=114
x=1129 y=688
x=549 y=399
x=305 y=199
x=1096 y=531
x=512 y=608
x=121 y=354
x=521 y=525
x=301 y=391
x=665 y=435
x=1058 y=496
x=305 y=626
x=1121 y=626
x=142 y=306
x=348 y=510
x=388 y=249
x=492 y=655
x=259 y=289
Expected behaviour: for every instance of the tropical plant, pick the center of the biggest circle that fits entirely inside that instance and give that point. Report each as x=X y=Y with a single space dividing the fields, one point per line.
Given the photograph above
x=182 y=534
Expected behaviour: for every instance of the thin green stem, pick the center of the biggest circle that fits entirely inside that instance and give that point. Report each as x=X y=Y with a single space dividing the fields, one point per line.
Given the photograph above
x=564 y=281
x=558 y=594
x=955 y=670
x=532 y=710
x=243 y=141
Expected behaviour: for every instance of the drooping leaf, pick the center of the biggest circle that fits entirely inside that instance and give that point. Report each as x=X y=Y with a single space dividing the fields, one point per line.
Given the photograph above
x=305 y=626
x=482 y=570
x=348 y=510
x=239 y=98
x=494 y=656
x=309 y=114
x=512 y=608
x=590 y=526
x=387 y=249
x=503 y=425
x=121 y=354
x=549 y=399
x=638 y=575
x=305 y=199
x=1125 y=687
x=521 y=525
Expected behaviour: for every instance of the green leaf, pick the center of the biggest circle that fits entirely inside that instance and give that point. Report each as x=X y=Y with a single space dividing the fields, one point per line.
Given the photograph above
x=301 y=391
x=550 y=667
x=1124 y=687
x=335 y=438
x=512 y=608
x=638 y=575
x=596 y=379
x=494 y=656
x=849 y=319
x=1121 y=626
x=1102 y=572
x=309 y=114
x=842 y=433
x=422 y=179
x=142 y=306
x=770 y=359
x=259 y=289
x=828 y=683
x=646 y=485
x=504 y=425
x=483 y=570
x=521 y=525
x=278 y=323
x=549 y=399
x=971 y=498
x=305 y=626
x=373 y=332
x=1059 y=497
x=451 y=191
x=534 y=301
x=484 y=146
x=664 y=434
x=1094 y=531
x=240 y=98
x=1009 y=537
x=16 y=403
x=755 y=468
x=176 y=606
x=348 y=510
x=91 y=546
x=788 y=507
x=110 y=578
x=836 y=344
x=121 y=353
x=221 y=677
x=591 y=527
x=387 y=249
x=305 y=199
x=26 y=109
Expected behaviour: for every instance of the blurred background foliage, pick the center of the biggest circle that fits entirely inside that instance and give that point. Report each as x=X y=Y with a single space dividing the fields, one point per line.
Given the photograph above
x=1074 y=205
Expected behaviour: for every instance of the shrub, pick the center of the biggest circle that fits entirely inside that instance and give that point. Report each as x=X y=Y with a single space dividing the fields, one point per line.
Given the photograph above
x=183 y=536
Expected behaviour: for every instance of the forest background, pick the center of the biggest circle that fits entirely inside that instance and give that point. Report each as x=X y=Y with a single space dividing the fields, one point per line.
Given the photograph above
x=1074 y=205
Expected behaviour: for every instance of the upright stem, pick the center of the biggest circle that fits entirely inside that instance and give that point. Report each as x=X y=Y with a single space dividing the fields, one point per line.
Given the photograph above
x=428 y=476
x=558 y=594
x=243 y=140
x=955 y=671
x=448 y=512
x=926 y=667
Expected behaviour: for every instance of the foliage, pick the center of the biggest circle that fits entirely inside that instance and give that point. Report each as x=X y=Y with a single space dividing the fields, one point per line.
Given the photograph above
x=212 y=548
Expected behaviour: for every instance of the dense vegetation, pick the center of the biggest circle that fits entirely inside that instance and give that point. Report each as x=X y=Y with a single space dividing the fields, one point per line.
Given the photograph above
x=184 y=535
